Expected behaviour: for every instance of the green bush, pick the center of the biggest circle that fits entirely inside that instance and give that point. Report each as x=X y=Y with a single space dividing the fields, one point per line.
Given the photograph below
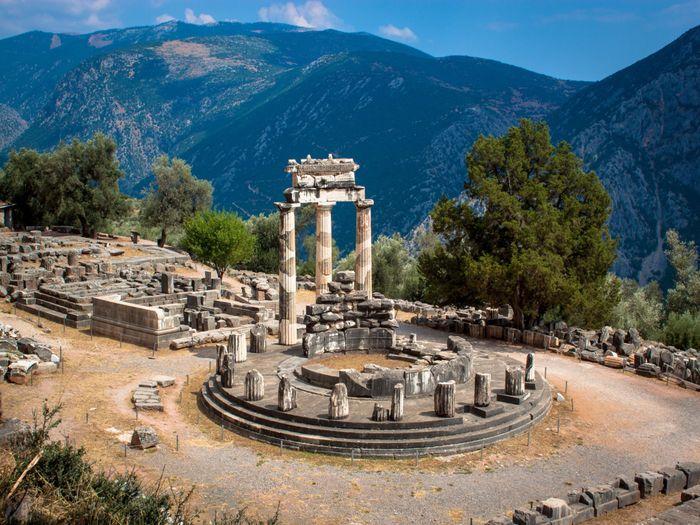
x=682 y=330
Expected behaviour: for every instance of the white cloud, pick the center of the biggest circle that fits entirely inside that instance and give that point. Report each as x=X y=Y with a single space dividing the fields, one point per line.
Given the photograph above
x=312 y=14
x=202 y=18
x=161 y=19
x=398 y=33
x=17 y=16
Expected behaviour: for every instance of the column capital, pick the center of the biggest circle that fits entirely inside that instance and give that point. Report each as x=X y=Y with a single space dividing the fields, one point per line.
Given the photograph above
x=326 y=205
x=286 y=206
x=364 y=203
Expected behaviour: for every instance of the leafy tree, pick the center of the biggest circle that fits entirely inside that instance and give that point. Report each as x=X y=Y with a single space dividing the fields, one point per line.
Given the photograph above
x=265 y=230
x=639 y=307
x=75 y=184
x=218 y=239
x=685 y=294
x=531 y=231
x=175 y=196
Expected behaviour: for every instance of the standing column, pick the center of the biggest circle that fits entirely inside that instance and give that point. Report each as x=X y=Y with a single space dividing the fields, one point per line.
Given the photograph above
x=324 y=250
x=288 y=274
x=363 y=247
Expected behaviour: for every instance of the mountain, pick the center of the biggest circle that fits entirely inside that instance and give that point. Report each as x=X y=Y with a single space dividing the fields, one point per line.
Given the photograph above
x=237 y=100
x=639 y=129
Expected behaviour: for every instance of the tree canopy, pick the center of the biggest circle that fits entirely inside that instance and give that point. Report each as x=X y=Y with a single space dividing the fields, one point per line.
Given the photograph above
x=531 y=230
x=218 y=239
x=175 y=196
x=75 y=184
x=683 y=256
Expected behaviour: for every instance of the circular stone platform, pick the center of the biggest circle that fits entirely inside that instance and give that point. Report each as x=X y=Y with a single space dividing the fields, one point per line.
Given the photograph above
x=309 y=428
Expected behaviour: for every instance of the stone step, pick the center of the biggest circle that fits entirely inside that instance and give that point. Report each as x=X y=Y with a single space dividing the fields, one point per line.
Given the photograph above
x=376 y=443
x=69 y=312
x=71 y=305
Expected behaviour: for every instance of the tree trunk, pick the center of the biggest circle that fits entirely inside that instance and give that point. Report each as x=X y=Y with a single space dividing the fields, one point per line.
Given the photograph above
x=163 y=236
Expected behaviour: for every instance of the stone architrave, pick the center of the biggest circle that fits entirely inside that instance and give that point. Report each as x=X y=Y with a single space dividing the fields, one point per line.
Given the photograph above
x=397 y=402
x=339 y=405
x=258 y=339
x=227 y=370
x=287 y=274
x=324 y=253
x=286 y=395
x=254 y=385
x=482 y=389
x=444 y=399
x=220 y=352
x=515 y=381
x=237 y=347
x=363 y=246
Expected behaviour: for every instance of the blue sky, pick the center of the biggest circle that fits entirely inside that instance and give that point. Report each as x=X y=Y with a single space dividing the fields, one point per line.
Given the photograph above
x=584 y=40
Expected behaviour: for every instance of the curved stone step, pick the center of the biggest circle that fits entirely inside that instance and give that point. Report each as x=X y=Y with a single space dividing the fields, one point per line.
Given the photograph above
x=401 y=442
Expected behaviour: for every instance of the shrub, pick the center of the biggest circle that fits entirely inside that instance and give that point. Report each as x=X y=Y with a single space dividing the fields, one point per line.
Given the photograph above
x=682 y=330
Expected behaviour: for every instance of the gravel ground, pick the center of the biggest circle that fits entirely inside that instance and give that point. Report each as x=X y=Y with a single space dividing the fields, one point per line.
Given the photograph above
x=621 y=423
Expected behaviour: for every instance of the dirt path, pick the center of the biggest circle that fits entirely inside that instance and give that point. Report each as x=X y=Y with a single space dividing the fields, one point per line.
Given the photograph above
x=620 y=423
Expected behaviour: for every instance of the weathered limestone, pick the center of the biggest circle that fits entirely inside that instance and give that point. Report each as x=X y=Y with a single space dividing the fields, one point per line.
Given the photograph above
x=72 y=258
x=227 y=370
x=515 y=381
x=397 y=402
x=363 y=246
x=237 y=347
x=324 y=253
x=379 y=413
x=286 y=395
x=287 y=274
x=482 y=389
x=258 y=339
x=254 y=385
x=339 y=405
x=444 y=399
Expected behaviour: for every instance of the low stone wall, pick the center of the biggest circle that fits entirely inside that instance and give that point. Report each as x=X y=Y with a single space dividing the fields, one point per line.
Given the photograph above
x=148 y=326
x=582 y=505
x=608 y=346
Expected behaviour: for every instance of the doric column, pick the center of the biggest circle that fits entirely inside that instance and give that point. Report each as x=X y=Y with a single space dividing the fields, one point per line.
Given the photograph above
x=363 y=247
x=288 y=274
x=324 y=251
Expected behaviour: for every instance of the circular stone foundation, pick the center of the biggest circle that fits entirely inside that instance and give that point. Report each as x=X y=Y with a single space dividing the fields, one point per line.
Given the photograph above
x=420 y=432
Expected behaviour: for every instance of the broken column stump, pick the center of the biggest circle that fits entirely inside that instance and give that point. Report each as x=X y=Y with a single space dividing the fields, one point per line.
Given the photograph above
x=530 y=371
x=339 y=405
x=254 y=385
x=379 y=413
x=237 y=347
x=397 y=402
x=444 y=399
x=515 y=386
x=227 y=371
x=258 y=339
x=286 y=395
x=482 y=405
x=220 y=352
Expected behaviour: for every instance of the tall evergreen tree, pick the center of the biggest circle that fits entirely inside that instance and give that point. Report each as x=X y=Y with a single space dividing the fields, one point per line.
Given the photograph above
x=530 y=231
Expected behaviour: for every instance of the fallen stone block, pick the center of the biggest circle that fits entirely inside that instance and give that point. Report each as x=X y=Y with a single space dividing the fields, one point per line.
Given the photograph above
x=557 y=510
x=164 y=381
x=603 y=497
x=144 y=437
x=691 y=471
x=627 y=492
x=691 y=493
x=649 y=483
x=674 y=480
